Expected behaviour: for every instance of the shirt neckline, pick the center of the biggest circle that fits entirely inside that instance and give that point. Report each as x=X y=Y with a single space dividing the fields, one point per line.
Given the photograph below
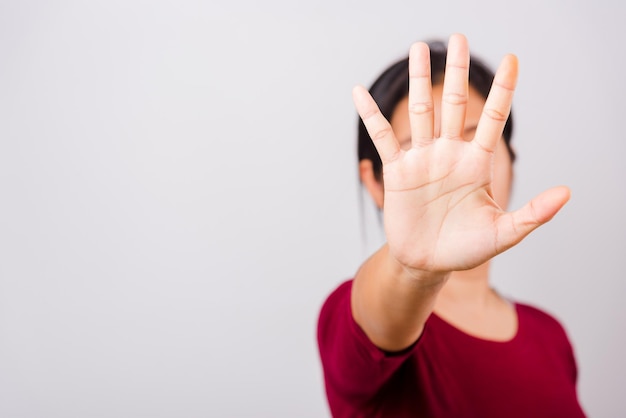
x=472 y=337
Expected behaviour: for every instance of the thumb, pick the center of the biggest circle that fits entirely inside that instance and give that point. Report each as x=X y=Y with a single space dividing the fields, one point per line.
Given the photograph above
x=514 y=226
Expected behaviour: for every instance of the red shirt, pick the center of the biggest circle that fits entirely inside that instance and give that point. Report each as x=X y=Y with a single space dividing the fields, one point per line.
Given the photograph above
x=447 y=373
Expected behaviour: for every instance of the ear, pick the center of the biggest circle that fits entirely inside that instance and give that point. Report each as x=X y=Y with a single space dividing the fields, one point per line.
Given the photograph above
x=371 y=183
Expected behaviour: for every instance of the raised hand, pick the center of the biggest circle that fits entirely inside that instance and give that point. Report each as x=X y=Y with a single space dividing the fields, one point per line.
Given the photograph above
x=439 y=211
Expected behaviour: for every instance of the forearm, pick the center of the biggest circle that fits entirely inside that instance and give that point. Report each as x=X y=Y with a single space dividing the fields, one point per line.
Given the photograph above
x=391 y=303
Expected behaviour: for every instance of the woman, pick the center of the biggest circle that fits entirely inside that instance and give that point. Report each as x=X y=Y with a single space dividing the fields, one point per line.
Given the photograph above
x=419 y=331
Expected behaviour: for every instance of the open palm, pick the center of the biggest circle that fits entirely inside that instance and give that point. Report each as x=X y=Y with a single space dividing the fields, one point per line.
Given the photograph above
x=439 y=210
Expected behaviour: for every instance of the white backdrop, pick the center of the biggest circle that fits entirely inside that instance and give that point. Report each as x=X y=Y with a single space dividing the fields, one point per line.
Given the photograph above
x=178 y=193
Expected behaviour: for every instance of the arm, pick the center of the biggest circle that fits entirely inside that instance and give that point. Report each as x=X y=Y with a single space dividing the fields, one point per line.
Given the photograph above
x=439 y=211
x=391 y=303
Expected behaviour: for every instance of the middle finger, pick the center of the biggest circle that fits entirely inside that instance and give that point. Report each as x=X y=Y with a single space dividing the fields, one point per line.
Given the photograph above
x=455 y=88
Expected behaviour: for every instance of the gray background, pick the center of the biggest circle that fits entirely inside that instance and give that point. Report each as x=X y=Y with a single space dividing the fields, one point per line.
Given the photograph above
x=179 y=193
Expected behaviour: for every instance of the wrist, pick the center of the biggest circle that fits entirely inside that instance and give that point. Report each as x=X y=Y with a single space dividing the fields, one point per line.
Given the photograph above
x=422 y=277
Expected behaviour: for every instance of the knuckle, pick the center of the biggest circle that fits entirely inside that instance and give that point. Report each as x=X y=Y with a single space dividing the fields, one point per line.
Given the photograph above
x=505 y=86
x=455 y=98
x=381 y=133
x=420 y=108
x=451 y=136
x=369 y=113
x=495 y=114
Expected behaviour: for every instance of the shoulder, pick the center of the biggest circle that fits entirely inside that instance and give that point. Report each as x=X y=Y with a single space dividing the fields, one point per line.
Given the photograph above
x=339 y=293
x=546 y=331
x=542 y=325
x=337 y=302
x=536 y=314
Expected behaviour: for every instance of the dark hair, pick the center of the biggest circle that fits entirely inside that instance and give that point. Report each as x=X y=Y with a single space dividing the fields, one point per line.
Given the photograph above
x=393 y=85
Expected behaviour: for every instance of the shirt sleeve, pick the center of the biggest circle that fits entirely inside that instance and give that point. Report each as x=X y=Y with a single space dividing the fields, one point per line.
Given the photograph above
x=355 y=369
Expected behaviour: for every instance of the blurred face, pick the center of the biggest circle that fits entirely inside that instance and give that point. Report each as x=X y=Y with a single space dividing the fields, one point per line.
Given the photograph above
x=502 y=175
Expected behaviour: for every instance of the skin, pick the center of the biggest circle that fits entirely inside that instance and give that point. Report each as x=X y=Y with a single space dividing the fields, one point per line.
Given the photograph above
x=446 y=183
x=466 y=300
